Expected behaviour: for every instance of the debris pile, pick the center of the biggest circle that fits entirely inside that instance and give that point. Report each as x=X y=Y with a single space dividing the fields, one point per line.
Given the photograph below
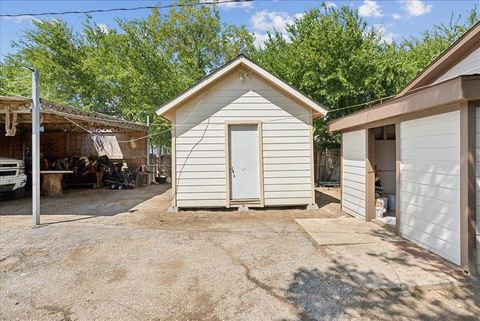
x=94 y=170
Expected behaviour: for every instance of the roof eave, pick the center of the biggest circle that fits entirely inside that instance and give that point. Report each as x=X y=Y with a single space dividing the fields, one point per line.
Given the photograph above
x=450 y=91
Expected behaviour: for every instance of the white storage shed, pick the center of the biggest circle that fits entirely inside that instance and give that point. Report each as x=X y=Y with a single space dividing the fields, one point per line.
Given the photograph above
x=242 y=138
x=423 y=146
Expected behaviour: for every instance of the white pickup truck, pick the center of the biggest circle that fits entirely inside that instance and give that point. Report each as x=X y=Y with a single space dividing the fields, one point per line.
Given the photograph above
x=12 y=177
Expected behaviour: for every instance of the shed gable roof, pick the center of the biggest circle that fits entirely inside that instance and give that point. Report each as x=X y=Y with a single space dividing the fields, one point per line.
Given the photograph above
x=241 y=61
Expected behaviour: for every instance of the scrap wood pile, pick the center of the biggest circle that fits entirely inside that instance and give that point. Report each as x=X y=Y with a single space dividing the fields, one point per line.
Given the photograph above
x=94 y=170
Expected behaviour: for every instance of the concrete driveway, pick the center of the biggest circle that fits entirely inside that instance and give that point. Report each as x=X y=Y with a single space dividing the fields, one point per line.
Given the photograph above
x=138 y=262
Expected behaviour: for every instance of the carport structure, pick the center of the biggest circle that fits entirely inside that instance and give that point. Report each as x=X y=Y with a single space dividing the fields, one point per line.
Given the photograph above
x=69 y=132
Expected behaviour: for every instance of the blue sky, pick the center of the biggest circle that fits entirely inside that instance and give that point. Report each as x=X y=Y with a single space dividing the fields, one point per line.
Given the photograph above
x=397 y=19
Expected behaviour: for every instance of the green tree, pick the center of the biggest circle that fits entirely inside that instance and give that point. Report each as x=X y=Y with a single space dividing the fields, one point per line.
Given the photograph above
x=331 y=54
x=126 y=71
x=335 y=57
x=415 y=53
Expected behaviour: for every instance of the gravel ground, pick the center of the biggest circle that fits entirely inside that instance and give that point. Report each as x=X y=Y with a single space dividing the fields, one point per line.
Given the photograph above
x=146 y=264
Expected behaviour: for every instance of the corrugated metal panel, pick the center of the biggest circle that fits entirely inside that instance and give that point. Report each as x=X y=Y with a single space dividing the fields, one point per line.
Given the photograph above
x=430 y=183
x=200 y=143
x=353 y=178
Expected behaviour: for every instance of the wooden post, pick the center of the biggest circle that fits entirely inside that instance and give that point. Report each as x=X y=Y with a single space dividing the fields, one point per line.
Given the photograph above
x=468 y=223
x=370 y=175
x=52 y=184
x=397 y=179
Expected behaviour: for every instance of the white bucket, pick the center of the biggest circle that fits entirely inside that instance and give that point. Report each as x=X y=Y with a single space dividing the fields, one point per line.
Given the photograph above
x=380 y=206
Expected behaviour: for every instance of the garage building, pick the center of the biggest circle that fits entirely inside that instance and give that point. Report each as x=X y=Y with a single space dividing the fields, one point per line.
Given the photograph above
x=423 y=145
x=242 y=138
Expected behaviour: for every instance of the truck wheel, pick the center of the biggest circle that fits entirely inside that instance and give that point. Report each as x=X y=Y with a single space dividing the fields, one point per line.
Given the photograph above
x=18 y=193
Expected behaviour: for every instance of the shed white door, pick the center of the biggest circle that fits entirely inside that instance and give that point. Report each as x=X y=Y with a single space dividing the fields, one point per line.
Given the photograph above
x=244 y=162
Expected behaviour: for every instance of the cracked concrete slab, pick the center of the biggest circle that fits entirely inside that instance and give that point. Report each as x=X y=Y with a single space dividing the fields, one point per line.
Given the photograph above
x=376 y=258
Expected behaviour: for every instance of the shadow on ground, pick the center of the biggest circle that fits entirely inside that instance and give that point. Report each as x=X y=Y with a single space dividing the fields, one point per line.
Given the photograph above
x=327 y=196
x=90 y=202
x=330 y=295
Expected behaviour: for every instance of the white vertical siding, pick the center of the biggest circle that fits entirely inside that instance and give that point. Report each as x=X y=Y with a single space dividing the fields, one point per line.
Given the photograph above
x=353 y=172
x=430 y=183
x=200 y=143
x=478 y=185
x=468 y=66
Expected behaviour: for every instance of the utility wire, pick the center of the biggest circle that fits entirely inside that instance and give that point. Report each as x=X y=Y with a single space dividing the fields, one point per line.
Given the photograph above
x=184 y=123
x=199 y=3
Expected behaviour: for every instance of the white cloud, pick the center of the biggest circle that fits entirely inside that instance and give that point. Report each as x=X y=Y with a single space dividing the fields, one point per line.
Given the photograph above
x=416 y=7
x=260 y=39
x=330 y=5
x=239 y=4
x=370 y=8
x=46 y=20
x=396 y=16
x=103 y=27
x=265 y=20
x=19 y=19
x=387 y=37
x=273 y=20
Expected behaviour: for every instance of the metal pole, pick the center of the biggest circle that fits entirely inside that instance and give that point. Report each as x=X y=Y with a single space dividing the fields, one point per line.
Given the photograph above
x=148 y=142
x=35 y=148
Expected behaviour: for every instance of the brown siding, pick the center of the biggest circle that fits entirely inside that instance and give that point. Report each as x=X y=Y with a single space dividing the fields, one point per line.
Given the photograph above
x=11 y=146
x=68 y=144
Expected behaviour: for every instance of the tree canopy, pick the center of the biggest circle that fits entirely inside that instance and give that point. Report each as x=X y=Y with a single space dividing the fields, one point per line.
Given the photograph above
x=334 y=56
x=126 y=72
x=330 y=54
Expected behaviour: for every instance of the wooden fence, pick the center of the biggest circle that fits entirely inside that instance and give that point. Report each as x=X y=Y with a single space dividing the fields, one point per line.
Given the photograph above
x=327 y=166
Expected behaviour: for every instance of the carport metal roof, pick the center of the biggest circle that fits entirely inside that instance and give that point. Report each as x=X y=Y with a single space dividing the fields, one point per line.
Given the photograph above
x=60 y=116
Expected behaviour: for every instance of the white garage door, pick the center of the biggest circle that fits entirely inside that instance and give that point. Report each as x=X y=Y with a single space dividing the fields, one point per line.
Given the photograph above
x=353 y=178
x=430 y=183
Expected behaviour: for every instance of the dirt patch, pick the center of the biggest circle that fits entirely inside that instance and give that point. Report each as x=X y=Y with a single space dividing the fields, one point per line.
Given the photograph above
x=117 y=275
x=76 y=255
x=9 y=263
x=169 y=270
x=65 y=313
